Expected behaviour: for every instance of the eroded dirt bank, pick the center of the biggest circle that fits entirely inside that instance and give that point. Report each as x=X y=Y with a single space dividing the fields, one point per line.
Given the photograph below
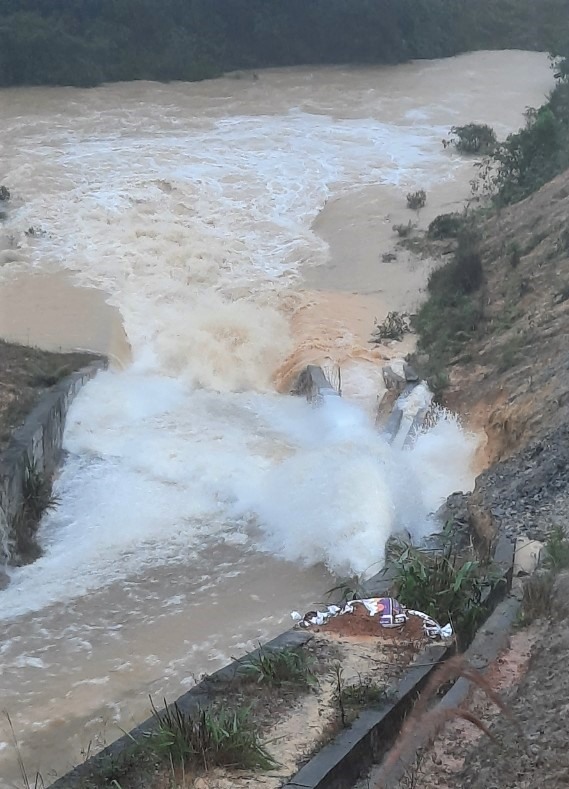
x=512 y=377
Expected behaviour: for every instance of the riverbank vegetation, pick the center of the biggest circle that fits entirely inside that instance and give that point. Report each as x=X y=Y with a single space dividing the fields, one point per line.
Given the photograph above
x=86 y=42
x=457 y=309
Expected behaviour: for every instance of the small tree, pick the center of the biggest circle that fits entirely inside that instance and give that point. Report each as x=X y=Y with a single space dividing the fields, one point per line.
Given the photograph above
x=474 y=138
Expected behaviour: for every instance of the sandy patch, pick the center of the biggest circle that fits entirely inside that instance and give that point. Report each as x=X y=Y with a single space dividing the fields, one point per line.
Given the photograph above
x=48 y=311
x=315 y=720
x=358 y=228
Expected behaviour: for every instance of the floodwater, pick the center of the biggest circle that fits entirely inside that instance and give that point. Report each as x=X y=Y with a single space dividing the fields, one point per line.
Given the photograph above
x=212 y=238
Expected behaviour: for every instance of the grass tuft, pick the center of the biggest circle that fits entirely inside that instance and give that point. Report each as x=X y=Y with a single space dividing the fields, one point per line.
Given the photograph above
x=37 y=494
x=537 y=597
x=277 y=667
x=210 y=737
x=556 y=556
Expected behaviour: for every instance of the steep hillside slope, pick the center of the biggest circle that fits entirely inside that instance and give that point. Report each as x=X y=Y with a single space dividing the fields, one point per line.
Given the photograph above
x=513 y=376
x=509 y=366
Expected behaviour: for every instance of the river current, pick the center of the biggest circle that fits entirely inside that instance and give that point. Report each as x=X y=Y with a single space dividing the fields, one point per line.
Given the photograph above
x=212 y=238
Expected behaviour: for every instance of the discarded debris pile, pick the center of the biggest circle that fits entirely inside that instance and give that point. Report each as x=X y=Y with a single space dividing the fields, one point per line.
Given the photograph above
x=373 y=616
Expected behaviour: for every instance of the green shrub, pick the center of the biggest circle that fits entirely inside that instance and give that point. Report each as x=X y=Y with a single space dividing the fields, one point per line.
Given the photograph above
x=556 y=556
x=444 y=585
x=468 y=272
x=417 y=200
x=535 y=154
x=403 y=231
x=453 y=311
x=445 y=226
x=474 y=138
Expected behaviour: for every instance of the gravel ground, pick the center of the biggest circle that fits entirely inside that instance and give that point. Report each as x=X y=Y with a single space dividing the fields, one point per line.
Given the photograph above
x=541 y=705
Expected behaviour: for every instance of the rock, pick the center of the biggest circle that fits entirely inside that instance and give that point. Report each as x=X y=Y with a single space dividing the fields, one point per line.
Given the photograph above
x=392 y=380
x=411 y=376
x=4 y=580
x=482 y=523
x=385 y=408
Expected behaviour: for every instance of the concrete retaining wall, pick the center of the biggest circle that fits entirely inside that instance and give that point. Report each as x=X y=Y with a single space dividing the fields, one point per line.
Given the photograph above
x=313 y=384
x=37 y=443
x=119 y=752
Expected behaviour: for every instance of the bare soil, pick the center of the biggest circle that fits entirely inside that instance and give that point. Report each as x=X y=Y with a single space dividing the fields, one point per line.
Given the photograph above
x=294 y=721
x=360 y=623
x=540 y=704
x=25 y=374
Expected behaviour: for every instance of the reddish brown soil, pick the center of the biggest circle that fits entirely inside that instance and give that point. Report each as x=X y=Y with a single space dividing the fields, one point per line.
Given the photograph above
x=360 y=623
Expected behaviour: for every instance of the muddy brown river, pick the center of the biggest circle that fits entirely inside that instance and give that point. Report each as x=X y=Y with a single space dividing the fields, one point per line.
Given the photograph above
x=211 y=239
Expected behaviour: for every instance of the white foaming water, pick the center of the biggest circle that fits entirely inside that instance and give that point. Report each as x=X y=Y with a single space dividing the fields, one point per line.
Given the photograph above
x=155 y=467
x=341 y=498
x=195 y=230
x=192 y=232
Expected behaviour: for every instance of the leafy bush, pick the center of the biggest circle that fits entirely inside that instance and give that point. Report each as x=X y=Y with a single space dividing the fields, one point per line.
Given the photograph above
x=452 y=313
x=403 y=231
x=445 y=226
x=417 y=200
x=445 y=322
x=474 y=138
x=468 y=272
x=444 y=584
x=535 y=154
